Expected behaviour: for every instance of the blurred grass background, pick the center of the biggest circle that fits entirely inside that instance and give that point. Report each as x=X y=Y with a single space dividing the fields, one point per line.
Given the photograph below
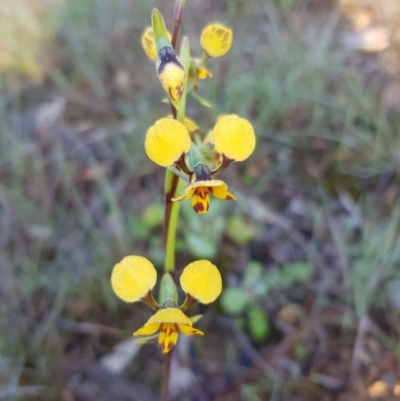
x=309 y=253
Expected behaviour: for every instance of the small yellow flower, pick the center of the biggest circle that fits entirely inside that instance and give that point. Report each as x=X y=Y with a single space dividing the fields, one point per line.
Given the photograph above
x=216 y=40
x=166 y=141
x=234 y=137
x=133 y=278
x=203 y=72
x=168 y=321
x=200 y=188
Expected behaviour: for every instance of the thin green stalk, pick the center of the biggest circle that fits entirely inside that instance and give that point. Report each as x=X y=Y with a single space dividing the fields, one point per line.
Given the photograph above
x=171 y=233
x=173 y=185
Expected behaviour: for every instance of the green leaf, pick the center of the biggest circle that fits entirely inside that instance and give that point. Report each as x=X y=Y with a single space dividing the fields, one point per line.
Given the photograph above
x=252 y=274
x=201 y=247
x=201 y=100
x=234 y=300
x=239 y=231
x=153 y=216
x=258 y=323
x=297 y=272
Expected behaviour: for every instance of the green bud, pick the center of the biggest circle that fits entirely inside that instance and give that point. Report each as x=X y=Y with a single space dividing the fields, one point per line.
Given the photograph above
x=160 y=30
x=194 y=157
x=168 y=292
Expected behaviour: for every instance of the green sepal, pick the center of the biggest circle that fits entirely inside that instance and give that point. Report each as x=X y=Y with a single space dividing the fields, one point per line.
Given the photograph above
x=168 y=292
x=185 y=59
x=194 y=157
x=160 y=30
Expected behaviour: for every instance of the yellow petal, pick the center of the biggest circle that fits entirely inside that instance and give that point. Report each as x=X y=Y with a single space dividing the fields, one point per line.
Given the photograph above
x=190 y=125
x=149 y=44
x=186 y=195
x=201 y=200
x=221 y=192
x=166 y=141
x=171 y=76
x=189 y=331
x=147 y=329
x=216 y=40
x=133 y=278
x=203 y=72
x=234 y=137
x=169 y=315
x=202 y=280
x=168 y=337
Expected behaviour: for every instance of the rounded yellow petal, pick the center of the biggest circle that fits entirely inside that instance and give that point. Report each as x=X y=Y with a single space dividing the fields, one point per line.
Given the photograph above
x=133 y=278
x=169 y=315
x=234 y=137
x=149 y=44
x=166 y=141
x=202 y=280
x=216 y=39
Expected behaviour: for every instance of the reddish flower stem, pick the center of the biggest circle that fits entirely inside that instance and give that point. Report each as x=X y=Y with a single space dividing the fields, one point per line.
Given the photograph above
x=166 y=375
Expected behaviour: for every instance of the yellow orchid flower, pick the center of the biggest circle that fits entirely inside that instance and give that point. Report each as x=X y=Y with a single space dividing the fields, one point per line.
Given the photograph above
x=198 y=71
x=133 y=280
x=200 y=187
x=216 y=39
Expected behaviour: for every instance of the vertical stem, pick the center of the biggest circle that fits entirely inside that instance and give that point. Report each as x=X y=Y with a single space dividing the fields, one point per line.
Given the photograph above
x=172 y=226
x=172 y=186
x=177 y=20
x=166 y=375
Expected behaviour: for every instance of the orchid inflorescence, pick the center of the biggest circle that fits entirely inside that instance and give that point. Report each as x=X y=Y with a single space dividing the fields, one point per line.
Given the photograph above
x=174 y=142
x=133 y=280
x=171 y=143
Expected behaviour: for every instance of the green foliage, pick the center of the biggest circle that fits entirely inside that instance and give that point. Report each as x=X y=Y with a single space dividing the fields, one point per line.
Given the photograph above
x=239 y=231
x=234 y=300
x=257 y=284
x=203 y=233
x=258 y=323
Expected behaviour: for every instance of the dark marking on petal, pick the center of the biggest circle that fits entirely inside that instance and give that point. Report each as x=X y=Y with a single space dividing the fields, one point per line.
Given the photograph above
x=229 y=197
x=199 y=208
